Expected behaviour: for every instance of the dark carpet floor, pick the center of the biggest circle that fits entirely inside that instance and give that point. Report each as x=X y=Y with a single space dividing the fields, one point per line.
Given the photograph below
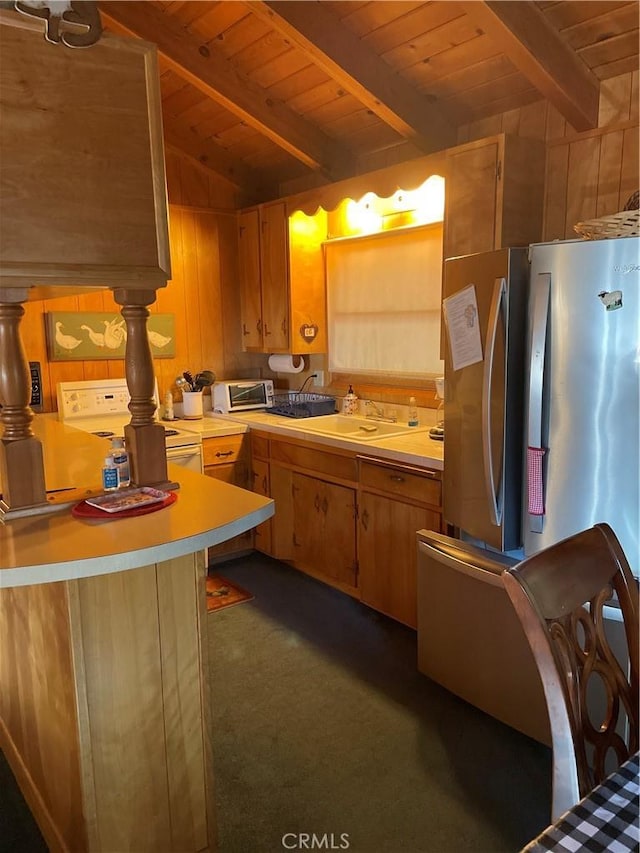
x=323 y=725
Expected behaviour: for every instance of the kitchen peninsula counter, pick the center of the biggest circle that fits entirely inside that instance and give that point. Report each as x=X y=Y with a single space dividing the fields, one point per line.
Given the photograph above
x=104 y=699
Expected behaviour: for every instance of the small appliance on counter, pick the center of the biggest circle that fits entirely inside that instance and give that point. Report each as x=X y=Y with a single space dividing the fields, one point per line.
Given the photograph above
x=242 y=395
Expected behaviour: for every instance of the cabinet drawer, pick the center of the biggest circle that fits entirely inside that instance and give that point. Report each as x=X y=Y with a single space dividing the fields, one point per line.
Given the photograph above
x=221 y=451
x=406 y=483
x=329 y=464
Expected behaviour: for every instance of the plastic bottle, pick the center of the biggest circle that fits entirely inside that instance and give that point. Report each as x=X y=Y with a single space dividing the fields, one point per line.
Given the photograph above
x=121 y=460
x=109 y=475
x=349 y=402
x=413 y=412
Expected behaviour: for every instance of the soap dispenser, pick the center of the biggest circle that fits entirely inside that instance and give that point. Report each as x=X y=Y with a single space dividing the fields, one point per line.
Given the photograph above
x=349 y=403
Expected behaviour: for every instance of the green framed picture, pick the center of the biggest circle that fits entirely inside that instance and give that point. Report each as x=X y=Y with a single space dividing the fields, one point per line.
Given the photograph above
x=88 y=335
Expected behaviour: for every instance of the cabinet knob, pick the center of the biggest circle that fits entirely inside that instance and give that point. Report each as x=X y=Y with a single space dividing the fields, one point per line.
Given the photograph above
x=316 y=502
x=221 y=453
x=396 y=478
x=245 y=331
x=325 y=506
x=266 y=330
x=259 y=326
x=365 y=519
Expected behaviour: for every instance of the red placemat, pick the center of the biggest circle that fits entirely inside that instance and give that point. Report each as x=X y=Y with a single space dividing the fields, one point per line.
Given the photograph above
x=83 y=510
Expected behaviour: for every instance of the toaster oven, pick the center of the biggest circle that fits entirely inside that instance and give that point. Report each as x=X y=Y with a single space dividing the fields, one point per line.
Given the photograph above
x=241 y=395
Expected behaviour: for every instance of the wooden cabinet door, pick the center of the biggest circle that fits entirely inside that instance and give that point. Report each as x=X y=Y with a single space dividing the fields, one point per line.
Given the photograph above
x=325 y=529
x=274 y=255
x=237 y=474
x=260 y=485
x=250 y=283
x=282 y=521
x=471 y=198
x=387 y=554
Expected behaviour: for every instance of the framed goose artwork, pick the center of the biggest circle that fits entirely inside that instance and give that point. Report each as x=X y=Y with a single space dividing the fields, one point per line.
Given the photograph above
x=84 y=335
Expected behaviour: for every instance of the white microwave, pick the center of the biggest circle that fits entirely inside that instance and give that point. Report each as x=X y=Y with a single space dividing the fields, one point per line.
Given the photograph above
x=241 y=395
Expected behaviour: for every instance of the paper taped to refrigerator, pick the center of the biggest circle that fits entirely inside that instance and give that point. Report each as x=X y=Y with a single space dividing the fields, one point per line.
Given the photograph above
x=461 y=317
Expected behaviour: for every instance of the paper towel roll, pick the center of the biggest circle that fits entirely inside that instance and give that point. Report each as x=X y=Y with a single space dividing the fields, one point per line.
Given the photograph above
x=286 y=363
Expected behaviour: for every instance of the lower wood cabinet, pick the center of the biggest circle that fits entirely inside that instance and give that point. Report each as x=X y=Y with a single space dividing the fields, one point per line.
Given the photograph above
x=227 y=459
x=395 y=501
x=347 y=520
x=324 y=528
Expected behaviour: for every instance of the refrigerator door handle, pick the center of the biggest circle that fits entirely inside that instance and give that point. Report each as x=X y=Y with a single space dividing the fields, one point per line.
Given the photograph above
x=540 y=315
x=495 y=500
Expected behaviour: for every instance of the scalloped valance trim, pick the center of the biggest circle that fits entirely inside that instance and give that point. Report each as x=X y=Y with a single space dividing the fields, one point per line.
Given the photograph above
x=405 y=177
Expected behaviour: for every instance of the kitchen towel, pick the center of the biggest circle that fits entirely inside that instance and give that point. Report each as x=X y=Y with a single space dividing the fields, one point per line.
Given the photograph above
x=534 y=479
x=286 y=363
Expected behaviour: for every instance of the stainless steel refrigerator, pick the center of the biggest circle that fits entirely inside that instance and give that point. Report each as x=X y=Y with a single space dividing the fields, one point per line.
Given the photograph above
x=541 y=425
x=582 y=404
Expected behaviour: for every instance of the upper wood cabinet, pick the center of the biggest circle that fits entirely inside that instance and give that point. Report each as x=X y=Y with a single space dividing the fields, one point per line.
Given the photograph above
x=494 y=195
x=82 y=178
x=281 y=283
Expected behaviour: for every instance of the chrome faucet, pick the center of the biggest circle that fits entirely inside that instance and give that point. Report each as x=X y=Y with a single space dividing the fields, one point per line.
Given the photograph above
x=378 y=412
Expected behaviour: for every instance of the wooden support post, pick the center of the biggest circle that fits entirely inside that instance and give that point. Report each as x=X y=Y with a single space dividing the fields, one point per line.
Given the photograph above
x=21 y=457
x=144 y=437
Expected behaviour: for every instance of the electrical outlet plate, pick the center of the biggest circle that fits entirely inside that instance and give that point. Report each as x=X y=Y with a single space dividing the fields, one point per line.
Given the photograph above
x=319 y=380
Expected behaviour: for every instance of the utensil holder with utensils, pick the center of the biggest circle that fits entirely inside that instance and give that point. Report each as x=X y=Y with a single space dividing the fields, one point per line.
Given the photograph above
x=192 y=408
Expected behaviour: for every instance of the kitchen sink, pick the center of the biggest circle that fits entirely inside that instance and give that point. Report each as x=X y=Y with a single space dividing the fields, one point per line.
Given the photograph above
x=358 y=429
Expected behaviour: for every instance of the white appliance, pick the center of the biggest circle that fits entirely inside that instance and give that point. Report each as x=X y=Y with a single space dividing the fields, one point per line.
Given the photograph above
x=242 y=395
x=100 y=406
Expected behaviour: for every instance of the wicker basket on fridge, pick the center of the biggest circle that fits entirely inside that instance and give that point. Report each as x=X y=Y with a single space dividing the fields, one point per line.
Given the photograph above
x=623 y=224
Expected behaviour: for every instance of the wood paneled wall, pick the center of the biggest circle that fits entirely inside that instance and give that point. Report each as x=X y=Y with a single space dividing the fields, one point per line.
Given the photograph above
x=588 y=174
x=203 y=293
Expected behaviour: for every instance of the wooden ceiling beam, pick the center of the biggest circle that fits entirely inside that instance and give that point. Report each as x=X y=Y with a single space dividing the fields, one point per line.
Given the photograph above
x=521 y=31
x=217 y=78
x=358 y=70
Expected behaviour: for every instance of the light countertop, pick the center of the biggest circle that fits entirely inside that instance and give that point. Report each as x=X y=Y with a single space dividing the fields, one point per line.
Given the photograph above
x=56 y=546
x=208 y=426
x=411 y=449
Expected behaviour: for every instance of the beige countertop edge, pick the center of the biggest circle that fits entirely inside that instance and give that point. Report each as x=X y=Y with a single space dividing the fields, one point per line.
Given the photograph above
x=415 y=449
x=119 y=561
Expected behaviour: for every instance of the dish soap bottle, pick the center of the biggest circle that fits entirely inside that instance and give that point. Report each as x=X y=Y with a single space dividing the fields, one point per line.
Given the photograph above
x=349 y=403
x=413 y=412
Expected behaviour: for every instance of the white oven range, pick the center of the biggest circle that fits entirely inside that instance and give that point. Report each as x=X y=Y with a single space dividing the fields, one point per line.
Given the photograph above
x=100 y=406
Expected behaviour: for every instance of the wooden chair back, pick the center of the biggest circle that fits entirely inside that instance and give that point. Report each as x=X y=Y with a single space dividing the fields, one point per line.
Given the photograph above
x=559 y=595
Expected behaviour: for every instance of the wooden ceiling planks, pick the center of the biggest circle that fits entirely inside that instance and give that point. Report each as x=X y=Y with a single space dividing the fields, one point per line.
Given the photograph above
x=439 y=49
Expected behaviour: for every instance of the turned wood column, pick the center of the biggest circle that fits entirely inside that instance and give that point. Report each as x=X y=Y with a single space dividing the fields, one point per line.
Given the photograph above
x=21 y=458
x=144 y=437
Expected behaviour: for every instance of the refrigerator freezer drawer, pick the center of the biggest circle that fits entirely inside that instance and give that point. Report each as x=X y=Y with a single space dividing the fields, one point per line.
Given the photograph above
x=470 y=640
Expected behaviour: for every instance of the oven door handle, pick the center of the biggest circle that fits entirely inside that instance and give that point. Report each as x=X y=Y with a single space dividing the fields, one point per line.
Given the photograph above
x=187 y=450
